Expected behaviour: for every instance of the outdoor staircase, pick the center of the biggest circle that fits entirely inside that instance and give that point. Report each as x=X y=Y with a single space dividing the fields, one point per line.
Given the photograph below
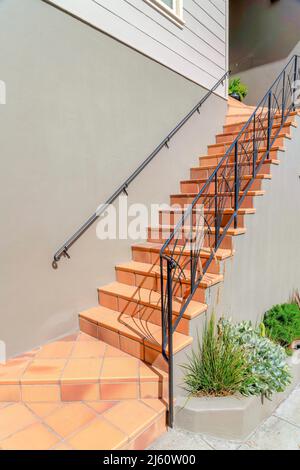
x=115 y=365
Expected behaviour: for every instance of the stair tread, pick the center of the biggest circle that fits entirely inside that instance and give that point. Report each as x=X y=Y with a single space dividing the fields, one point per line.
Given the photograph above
x=241 y=210
x=230 y=231
x=134 y=328
x=272 y=161
x=221 y=253
x=260 y=176
x=151 y=297
x=249 y=193
x=229 y=142
x=149 y=269
x=265 y=118
x=278 y=148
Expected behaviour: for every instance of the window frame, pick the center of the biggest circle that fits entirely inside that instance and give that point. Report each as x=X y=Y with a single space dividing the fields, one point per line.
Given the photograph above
x=174 y=14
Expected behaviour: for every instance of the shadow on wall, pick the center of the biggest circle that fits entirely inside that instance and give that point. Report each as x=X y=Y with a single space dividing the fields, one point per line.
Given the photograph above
x=262 y=32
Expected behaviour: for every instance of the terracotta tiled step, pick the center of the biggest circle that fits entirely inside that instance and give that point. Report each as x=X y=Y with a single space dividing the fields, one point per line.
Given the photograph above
x=148 y=276
x=195 y=185
x=215 y=159
x=239 y=125
x=222 y=147
x=150 y=253
x=227 y=199
x=162 y=234
x=145 y=305
x=139 y=338
x=173 y=216
x=205 y=171
x=232 y=135
x=89 y=425
x=78 y=368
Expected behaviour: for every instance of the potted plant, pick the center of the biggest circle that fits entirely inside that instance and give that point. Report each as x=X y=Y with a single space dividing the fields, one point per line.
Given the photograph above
x=237 y=90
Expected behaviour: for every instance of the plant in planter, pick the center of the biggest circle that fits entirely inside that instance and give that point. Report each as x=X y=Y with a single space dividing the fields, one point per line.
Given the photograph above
x=219 y=367
x=282 y=323
x=268 y=371
x=237 y=89
x=235 y=358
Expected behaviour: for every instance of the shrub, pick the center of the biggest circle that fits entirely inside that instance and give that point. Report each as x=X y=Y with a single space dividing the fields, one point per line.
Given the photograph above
x=236 y=358
x=235 y=86
x=282 y=324
x=219 y=366
x=267 y=368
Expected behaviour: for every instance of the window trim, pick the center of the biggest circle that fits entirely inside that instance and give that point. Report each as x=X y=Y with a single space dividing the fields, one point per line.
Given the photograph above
x=175 y=14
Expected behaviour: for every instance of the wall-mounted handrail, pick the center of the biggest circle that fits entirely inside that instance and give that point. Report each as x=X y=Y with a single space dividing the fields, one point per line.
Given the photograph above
x=226 y=186
x=64 y=249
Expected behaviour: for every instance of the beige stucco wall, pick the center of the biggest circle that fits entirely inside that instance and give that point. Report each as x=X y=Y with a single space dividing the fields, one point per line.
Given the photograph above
x=82 y=112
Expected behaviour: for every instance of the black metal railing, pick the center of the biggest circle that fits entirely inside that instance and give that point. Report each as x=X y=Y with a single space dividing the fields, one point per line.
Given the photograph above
x=63 y=251
x=204 y=223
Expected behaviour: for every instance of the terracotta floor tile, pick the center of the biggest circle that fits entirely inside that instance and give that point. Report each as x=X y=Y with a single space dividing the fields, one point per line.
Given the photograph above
x=10 y=393
x=69 y=418
x=83 y=349
x=157 y=405
x=114 y=352
x=82 y=370
x=62 y=446
x=131 y=417
x=43 y=371
x=40 y=393
x=148 y=374
x=43 y=409
x=80 y=392
x=58 y=349
x=84 y=337
x=101 y=406
x=118 y=369
x=119 y=391
x=14 y=418
x=34 y=437
x=99 y=435
x=11 y=372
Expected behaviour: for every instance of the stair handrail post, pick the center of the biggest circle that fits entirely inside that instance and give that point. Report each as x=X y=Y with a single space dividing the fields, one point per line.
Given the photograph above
x=295 y=80
x=254 y=149
x=269 y=124
x=283 y=98
x=216 y=212
x=170 y=267
x=236 y=184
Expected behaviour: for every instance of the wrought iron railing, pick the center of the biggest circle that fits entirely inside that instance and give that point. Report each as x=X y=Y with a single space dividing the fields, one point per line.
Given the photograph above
x=63 y=251
x=204 y=224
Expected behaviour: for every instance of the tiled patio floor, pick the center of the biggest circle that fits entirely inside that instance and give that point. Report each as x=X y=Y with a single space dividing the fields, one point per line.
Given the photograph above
x=79 y=393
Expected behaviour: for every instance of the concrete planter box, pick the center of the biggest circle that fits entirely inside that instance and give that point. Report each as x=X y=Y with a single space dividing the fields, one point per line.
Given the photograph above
x=231 y=417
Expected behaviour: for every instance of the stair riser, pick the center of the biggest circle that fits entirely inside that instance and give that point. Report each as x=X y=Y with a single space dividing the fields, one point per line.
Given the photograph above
x=209 y=241
x=238 y=127
x=212 y=160
x=228 y=201
x=154 y=258
x=157 y=389
x=192 y=187
x=172 y=219
x=213 y=149
x=230 y=137
x=200 y=173
x=181 y=290
x=133 y=308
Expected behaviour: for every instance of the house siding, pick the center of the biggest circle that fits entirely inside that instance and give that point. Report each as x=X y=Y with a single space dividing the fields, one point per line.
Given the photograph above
x=197 y=51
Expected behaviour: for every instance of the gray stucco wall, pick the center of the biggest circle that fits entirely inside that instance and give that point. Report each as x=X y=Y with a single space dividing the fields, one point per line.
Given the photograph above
x=266 y=267
x=82 y=112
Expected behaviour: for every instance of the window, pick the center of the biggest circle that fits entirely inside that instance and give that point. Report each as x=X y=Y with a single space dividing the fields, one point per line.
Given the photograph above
x=172 y=9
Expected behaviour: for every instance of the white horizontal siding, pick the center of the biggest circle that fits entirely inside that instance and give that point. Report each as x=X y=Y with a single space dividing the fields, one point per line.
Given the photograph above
x=197 y=51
